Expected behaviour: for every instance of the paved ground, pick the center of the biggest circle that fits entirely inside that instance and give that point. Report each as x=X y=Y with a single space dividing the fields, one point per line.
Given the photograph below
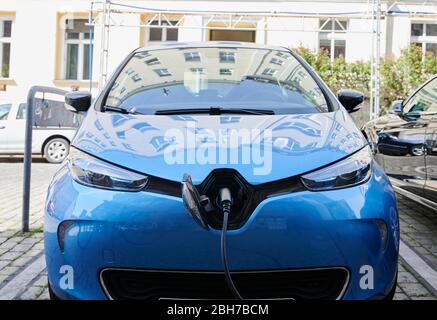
x=22 y=273
x=17 y=250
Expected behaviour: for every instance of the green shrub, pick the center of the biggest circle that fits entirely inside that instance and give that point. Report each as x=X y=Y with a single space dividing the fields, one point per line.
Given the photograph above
x=399 y=77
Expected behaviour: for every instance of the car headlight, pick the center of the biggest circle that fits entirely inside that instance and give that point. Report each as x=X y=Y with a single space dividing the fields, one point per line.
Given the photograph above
x=346 y=173
x=93 y=172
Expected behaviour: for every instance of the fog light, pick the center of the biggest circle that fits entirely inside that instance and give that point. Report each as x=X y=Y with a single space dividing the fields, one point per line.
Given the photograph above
x=383 y=232
x=62 y=231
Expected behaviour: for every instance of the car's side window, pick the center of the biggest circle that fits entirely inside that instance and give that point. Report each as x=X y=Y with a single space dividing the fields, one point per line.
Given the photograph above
x=21 y=111
x=4 y=111
x=424 y=101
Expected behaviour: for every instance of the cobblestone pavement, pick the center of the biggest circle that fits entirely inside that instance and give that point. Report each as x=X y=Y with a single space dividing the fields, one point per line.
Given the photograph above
x=17 y=250
x=419 y=229
x=11 y=185
x=21 y=254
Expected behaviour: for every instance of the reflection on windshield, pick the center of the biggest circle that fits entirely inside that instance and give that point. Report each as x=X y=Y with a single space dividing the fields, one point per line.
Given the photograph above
x=292 y=135
x=224 y=77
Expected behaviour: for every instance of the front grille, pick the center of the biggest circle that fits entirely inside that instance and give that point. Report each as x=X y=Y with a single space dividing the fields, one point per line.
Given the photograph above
x=246 y=197
x=324 y=284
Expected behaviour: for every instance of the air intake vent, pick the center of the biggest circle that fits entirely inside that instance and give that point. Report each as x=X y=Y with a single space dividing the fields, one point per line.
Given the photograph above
x=326 y=284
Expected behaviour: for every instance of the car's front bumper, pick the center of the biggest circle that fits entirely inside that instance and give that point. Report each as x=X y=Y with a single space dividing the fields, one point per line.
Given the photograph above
x=147 y=231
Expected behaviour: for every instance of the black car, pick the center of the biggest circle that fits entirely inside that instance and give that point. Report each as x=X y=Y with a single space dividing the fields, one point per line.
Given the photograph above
x=405 y=144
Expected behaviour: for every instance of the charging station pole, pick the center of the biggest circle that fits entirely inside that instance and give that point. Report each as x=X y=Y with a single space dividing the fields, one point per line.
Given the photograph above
x=28 y=149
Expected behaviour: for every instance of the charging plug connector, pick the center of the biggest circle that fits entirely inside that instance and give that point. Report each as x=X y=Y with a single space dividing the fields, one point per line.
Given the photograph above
x=225 y=202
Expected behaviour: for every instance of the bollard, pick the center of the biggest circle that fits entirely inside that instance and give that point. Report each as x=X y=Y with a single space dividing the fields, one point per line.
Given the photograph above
x=28 y=149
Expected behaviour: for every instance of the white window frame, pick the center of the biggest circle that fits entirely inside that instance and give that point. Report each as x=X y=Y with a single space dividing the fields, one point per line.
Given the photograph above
x=192 y=56
x=226 y=71
x=423 y=39
x=162 y=72
x=7 y=40
x=277 y=61
x=333 y=35
x=270 y=72
x=227 y=57
x=152 y=61
x=172 y=25
x=197 y=70
x=81 y=44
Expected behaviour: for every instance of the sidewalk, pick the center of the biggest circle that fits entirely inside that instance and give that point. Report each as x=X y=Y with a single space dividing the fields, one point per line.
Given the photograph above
x=19 y=251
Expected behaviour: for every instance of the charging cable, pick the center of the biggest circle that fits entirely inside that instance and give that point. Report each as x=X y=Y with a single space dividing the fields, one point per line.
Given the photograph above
x=225 y=201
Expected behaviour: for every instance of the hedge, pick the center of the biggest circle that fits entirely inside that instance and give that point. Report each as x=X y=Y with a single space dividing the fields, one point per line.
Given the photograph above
x=399 y=76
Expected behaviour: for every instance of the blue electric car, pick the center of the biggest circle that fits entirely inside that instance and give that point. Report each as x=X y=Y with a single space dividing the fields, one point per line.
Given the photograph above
x=219 y=170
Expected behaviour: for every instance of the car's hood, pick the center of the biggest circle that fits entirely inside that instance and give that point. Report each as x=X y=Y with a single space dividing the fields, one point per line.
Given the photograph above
x=269 y=148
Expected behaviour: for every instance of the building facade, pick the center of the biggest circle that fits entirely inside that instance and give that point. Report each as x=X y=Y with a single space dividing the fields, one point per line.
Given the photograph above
x=48 y=42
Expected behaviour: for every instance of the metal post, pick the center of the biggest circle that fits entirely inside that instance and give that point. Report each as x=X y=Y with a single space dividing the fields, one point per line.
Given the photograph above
x=91 y=53
x=372 y=64
x=375 y=72
x=378 y=58
x=27 y=159
x=28 y=149
x=104 y=23
x=108 y=24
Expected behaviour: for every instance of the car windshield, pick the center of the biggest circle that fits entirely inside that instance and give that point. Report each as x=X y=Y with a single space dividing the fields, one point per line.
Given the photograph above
x=227 y=78
x=424 y=101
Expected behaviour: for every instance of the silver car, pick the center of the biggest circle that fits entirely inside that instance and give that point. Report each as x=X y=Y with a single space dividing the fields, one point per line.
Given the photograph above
x=53 y=129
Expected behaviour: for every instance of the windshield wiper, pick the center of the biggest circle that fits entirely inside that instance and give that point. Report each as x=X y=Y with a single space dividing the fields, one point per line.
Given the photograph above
x=120 y=110
x=214 y=111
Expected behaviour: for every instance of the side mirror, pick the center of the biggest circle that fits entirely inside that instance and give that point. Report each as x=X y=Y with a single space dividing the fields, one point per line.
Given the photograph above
x=78 y=101
x=351 y=99
x=396 y=107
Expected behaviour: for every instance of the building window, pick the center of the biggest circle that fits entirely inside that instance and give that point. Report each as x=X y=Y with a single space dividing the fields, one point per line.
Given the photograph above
x=277 y=61
x=232 y=35
x=162 y=72
x=5 y=46
x=226 y=72
x=77 y=50
x=163 y=34
x=227 y=56
x=332 y=37
x=152 y=61
x=142 y=55
x=269 y=72
x=192 y=56
x=198 y=70
x=424 y=35
x=282 y=54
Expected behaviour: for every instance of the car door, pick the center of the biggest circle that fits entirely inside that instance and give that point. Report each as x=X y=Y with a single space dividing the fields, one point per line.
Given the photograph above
x=401 y=146
x=431 y=142
x=16 y=129
x=431 y=161
x=5 y=109
x=402 y=142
